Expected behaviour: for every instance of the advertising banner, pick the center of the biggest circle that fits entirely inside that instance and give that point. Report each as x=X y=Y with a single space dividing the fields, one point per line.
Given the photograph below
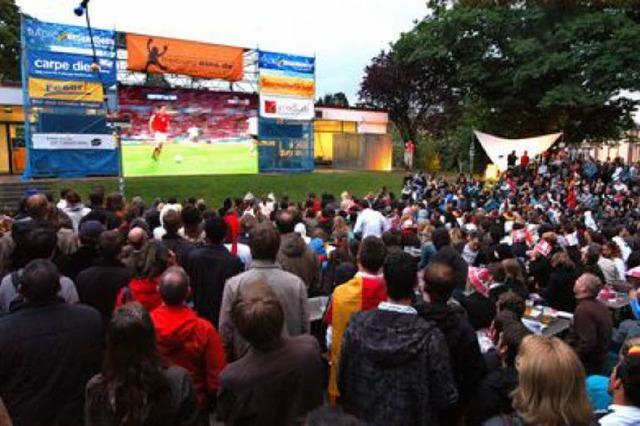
x=286 y=108
x=71 y=91
x=283 y=85
x=67 y=38
x=73 y=141
x=65 y=66
x=165 y=55
x=286 y=63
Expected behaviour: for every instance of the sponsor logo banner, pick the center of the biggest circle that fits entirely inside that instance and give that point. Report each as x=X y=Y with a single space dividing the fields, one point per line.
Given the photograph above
x=73 y=141
x=165 y=55
x=67 y=38
x=282 y=85
x=288 y=63
x=66 y=66
x=72 y=91
x=286 y=108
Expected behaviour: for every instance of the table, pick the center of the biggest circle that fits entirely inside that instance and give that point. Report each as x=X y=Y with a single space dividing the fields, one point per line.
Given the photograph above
x=617 y=303
x=556 y=327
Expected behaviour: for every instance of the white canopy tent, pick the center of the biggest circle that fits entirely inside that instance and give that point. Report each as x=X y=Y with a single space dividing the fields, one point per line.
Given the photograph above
x=498 y=149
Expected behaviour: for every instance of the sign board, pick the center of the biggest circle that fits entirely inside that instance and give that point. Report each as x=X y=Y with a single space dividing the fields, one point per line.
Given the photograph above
x=286 y=108
x=73 y=141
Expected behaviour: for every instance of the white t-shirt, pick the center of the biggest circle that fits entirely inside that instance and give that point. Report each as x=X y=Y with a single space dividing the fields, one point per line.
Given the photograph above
x=371 y=222
x=623 y=415
x=243 y=253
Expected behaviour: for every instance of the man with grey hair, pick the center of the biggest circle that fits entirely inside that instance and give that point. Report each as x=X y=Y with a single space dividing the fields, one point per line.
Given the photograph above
x=590 y=334
x=187 y=340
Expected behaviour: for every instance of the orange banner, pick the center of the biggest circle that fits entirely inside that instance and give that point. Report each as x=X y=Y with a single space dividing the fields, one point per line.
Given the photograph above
x=166 y=55
x=284 y=85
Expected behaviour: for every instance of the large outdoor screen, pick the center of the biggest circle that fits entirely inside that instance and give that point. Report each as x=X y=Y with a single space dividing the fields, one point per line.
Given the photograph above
x=187 y=132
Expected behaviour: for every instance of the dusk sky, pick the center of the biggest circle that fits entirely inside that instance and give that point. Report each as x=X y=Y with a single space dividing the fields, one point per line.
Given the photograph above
x=343 y=34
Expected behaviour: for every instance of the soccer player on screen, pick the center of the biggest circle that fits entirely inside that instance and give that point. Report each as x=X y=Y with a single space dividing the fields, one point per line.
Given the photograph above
x=158 y=127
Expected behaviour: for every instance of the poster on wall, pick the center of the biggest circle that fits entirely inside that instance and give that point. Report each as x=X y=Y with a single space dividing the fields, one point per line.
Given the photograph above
x=48 y=91
x=160 y=55
x=286 y=108
x=201 y=132
x=285 y=85
x=65 y=66
x=67 y=38
x=73 y=141
x=286 y=63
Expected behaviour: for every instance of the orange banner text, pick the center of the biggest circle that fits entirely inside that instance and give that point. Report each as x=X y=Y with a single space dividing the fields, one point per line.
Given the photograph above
x=283 y=85
x=165 y=55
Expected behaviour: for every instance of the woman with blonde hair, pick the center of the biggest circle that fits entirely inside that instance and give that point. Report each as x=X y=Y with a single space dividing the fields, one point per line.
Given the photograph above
x=457 y=239
x=551 y=389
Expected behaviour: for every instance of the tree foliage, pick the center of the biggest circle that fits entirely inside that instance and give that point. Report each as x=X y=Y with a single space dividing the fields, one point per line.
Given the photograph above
x=9 y=41
x=514 y=68
x=413 y=92
x=338 y=99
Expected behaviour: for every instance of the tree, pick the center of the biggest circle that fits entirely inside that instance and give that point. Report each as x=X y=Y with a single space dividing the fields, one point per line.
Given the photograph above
x=541 y=66
x=414 y=93
x=338 y=99
x=9 y=41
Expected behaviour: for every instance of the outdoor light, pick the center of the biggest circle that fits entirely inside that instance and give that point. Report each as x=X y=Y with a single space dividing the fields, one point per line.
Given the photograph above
x=79 y=10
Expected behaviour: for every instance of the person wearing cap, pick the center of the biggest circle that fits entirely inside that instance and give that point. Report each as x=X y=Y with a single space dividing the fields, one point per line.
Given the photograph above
x=87 y=254
x=624 y=386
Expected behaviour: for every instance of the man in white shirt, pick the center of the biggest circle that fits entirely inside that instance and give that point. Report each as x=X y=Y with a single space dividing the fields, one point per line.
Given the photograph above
x=371 y=222
x=624 y=386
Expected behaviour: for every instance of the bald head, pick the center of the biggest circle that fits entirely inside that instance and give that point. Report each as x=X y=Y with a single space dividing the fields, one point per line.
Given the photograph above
x=174 y=286
x=37 y=206
x=137 y=237
x=587 y=286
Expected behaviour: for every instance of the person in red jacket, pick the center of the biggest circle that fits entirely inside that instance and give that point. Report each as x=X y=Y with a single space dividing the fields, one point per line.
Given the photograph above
x=186 y=340
x=149 y=263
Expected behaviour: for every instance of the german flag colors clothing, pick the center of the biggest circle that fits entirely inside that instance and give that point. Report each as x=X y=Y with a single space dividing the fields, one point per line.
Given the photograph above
x=362 y=293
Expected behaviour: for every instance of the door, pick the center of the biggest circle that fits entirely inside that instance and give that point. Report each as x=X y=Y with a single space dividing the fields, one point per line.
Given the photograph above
x=16 y=137
x=5 y=141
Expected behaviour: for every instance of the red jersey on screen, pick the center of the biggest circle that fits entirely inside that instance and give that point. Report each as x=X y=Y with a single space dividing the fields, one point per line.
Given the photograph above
x=160 y=122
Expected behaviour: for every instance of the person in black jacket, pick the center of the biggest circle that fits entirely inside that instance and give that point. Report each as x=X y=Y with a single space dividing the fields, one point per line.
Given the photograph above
x=466 y=359
x=209 y=267
x=99 y=285
x=559 y=292
x=49 y=351
x=450 y=256
x=394 y=366
x=172 y=240
x=86 y=255
x=494 y=393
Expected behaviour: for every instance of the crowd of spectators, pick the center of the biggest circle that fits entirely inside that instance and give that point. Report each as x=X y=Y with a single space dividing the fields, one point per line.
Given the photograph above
x=443 y=305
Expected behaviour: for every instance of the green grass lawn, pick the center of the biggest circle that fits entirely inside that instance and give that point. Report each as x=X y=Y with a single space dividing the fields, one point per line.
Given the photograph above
x=214 y=189
x=202 y=158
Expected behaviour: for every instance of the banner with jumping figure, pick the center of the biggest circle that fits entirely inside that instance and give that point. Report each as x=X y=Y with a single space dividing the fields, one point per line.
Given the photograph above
x=161 y=55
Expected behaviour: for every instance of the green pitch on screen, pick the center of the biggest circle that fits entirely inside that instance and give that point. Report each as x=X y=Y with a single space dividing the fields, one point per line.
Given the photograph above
x=190 y=159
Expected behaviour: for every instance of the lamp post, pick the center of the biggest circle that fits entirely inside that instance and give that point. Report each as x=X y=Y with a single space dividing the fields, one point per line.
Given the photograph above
x=472 y=154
